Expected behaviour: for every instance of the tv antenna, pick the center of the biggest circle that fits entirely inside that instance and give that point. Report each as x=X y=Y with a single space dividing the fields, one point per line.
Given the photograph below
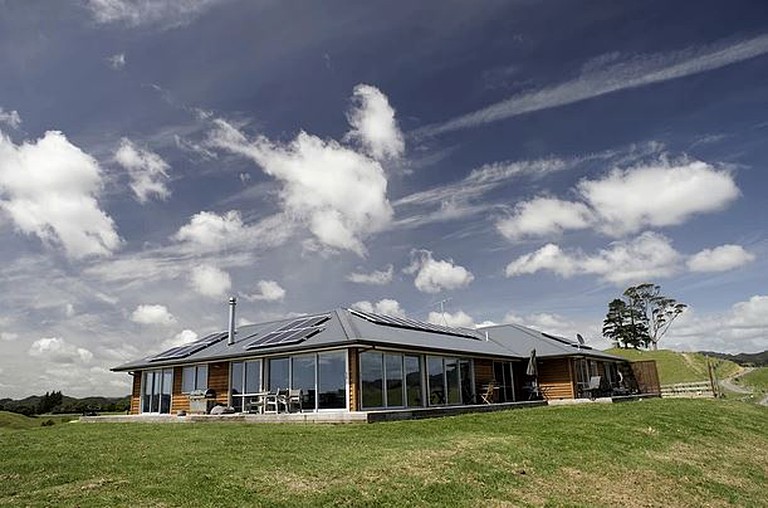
x=442 y=303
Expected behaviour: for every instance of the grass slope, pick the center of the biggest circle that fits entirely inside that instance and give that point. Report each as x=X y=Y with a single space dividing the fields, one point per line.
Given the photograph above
x=757 y=380
x=676 y=367
x=647 y=453
x=17 y=421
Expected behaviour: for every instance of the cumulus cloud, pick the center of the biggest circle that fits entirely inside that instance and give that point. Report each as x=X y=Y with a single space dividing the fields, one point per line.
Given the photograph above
x=209 y=229
x=626 y=201
x=433 y=276
x=117 y=61
x=645 y=257
x=375 y=278
x=164 y=13
x=49 y=189
x=10 y=118
x=148 y=171
x=386 y=306
x=181 y=338
x=58 y=350
x=458 y=319
x=373 y=123
x=544 y=216
x=267 y=291
x=743 y=328
x=720 y=259
x=318 y=178
x=208 y=280
x=152 y=315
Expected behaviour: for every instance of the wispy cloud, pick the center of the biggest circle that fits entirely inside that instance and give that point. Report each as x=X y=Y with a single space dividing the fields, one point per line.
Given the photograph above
x=611 y=75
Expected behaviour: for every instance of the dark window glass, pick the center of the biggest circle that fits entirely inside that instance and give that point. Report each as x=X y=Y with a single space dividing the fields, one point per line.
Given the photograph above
x=435 y=381
x=303 y=374
x=165 y=395
x=201 y=381
x=454 y=381
x=147 y=398
x=413 y=380
x=278 y=373
x=394 y=366
x=237 y=385
x=372 y=379
x=331 y=380
x=253 y=376
x=467 y=384
x=187 y=379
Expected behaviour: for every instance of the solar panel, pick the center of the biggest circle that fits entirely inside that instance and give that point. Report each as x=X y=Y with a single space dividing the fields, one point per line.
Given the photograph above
x=191 y=348
x=295 y=331
x=412 y=324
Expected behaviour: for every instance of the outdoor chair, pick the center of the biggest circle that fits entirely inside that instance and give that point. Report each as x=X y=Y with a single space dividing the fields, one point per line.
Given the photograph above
x=256 y=403
x=293 y=399
x=487 y=397
x=272 y=401
x=593 y=388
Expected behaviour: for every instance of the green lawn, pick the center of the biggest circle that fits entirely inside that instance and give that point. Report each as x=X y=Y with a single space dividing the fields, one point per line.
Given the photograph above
x=647 y=453
x=17 y=421
x=757 y=380
x=677 y=367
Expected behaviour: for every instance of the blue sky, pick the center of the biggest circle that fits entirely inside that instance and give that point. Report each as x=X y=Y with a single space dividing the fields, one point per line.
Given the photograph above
x=521 y=161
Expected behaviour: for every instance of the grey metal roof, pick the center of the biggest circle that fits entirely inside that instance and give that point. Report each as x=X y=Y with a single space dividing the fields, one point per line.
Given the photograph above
x=345 y=328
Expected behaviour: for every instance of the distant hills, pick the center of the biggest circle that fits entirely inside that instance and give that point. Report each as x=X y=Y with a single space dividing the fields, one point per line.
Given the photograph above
x=38 y=404
x=743 y=359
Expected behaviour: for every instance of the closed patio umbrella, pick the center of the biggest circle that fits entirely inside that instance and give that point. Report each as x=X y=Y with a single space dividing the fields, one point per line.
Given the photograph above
x=532 y=369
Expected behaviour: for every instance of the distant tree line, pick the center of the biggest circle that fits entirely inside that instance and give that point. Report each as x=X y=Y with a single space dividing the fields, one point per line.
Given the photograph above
x=56 y=403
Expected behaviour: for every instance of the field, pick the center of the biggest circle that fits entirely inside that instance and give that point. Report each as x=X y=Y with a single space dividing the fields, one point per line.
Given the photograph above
x=676 y=367
x=645 y=453
x=757 y=380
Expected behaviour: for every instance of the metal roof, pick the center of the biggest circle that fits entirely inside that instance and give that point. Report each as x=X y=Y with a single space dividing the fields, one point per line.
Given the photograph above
x=345 y=328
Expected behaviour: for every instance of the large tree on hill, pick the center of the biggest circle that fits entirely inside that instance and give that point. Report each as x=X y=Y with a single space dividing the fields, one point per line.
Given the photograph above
x=641 y=317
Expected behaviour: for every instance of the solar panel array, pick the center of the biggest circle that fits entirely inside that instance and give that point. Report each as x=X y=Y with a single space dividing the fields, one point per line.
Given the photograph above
x=297 y=330
x=412 y=324
x=190 y=349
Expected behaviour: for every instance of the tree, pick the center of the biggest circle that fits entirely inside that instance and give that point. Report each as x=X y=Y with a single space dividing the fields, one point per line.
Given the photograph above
x=624 y=326
x=642 y=317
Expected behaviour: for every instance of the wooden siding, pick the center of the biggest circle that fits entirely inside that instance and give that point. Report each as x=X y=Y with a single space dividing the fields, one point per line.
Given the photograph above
x=179 y=401
x=647 y=376
x=555 y=378
x=136 y=393
x=218 y=380
x=353 y=379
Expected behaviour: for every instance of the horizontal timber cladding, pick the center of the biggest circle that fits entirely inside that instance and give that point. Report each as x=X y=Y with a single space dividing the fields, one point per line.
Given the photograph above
x=179 y=401
x=218 y=380
x=136 y=393
x=647 y=376
x=353 y=379
x=555 y=378
x=483 y=375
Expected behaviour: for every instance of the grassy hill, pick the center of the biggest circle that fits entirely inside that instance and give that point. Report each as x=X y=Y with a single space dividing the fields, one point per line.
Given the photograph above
x=757 y=380
x=677 y=367
x=658 y=452
x=16 y=421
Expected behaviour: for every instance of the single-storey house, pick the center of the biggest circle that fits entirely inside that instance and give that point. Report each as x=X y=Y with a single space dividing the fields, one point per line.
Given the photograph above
x=349 y=360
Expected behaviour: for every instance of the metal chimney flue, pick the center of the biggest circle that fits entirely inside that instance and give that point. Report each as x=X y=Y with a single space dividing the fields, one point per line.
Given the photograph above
x=231 y=335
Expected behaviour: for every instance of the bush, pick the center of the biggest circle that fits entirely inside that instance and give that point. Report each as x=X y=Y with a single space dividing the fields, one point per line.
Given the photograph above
x=47 y=423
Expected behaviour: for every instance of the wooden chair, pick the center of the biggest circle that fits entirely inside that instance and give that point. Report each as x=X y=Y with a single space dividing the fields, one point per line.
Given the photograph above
x=487 y=397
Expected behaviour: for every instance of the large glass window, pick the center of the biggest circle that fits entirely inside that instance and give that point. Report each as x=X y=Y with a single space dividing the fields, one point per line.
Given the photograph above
x=246 y=379
x=372 y=379
x=453 y=380
x=394 y=375
x=303 y=378
x=436 y=380
x=157 y=391
x=332 y=380
x=467 y=381
x=446 y=382
x=252 y=376
x=413 y=381
x=278 y=374
x=194 y=378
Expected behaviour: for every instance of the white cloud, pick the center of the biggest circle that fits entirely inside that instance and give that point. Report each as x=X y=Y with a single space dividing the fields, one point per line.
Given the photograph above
x=209 y=229
x=662 y=194
x=181 y=338
x=433 y=276
x=458 y=319
x=49 y=189
x=152 y=315
x=720 y=259
x=373 y=123
x=117 y=61
x=8 y=336
x=375 y=278
x=58 y=350
x=385 y=306
x=645 y=257
x=268 y=291
x=10 y=118
x=210 y=281
x=544 y=216
x=148 y=171
x=69 y=310
x=743 y=328
x=166 y=13
x=318 y=178
x=611 y=75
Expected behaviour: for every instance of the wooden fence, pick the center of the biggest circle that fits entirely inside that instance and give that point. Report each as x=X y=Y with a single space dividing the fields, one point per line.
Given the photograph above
x=699 y=389
x=646 y=376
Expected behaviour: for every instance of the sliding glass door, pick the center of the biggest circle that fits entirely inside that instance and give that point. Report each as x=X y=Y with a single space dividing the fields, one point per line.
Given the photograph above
x=156 y=394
